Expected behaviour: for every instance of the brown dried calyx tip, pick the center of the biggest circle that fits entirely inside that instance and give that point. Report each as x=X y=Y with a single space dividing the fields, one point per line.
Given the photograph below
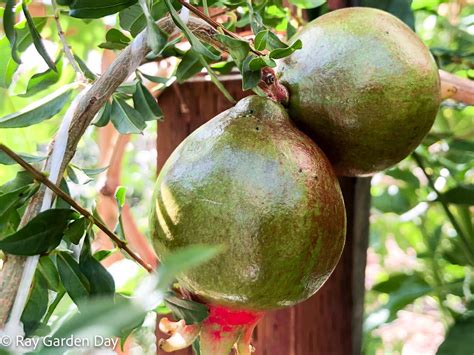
x=181 y=335
x=272 y=87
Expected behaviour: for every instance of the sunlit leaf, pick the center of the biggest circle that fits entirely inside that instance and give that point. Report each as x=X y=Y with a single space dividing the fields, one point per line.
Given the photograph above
x=37 y=112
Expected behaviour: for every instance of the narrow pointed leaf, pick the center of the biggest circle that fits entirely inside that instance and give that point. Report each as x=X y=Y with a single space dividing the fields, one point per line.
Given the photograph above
x=50 y=272
x=97 y=9
x=195 y=42
x=9 y=28
x=146 y=104
x=37 y=40
x=85 y=69
x=39 y=111
x=75 y=282
x=36 y=306
x=6 y=160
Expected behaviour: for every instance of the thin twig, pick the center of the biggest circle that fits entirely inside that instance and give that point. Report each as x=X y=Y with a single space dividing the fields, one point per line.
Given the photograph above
x=444 y=203
x=66 y=48
x=48 y=183
x=216 y=24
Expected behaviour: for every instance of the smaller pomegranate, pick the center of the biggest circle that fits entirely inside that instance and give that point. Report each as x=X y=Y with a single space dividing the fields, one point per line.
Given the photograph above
x=250 y=181
x=363 y=86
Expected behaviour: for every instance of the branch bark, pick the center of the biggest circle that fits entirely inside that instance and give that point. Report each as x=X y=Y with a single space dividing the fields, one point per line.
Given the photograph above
x=456 y=88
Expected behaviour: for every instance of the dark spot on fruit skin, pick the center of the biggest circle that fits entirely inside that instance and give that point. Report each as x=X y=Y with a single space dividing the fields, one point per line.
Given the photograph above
x=257 y=128
x=301 y=170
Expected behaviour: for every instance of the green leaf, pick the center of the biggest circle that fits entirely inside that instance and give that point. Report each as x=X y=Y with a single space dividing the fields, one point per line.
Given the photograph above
x=154 y=79
x=308 y=4
x=44 y=80
x=8 y=66
x=103 y=116
x=97 y=9
x=14 y=199
x=189 y=66
x=156 y=38
x=125 y=118
x=36 y=306
x=191 y=312
x=49 y=271
x=9 y=28
x=461 y=195
x=76 y=230
x=75 y=282
x=85 y=69
x=93 y=172
x=459 y=339
x=102 y=254
x=60 y=203
x=145 y=103
x=402 y=289
x=72 y=174
x=238 y=49
x=261 y=62
x=260 y=41
x=98 y=317
x=21 y=179
x=290 y=30
x=285 y=52
x=6 y=160
x=133 y=19
x=120 y=195
x=41 y=235
x=250 y=78
x=37 y=112
x=273 y=42
x=182 y=260
x=37 y=40
x=24 y=38
x=195 y=43
x=100 y=280
x=115 y=39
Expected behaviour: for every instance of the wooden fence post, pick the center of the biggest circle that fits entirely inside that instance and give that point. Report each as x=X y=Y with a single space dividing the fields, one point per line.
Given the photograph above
x=329 y=323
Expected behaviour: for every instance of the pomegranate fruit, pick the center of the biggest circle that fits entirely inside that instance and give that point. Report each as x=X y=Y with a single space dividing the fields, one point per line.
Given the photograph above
x=250 y=181
x=363 y=86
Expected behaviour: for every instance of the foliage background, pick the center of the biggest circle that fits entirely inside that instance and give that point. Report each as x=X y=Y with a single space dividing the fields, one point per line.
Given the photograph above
x=419 y=280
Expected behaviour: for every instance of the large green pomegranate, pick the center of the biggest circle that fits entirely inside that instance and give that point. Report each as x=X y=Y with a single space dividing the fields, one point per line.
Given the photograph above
x=363 y=86
x=250 y=181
